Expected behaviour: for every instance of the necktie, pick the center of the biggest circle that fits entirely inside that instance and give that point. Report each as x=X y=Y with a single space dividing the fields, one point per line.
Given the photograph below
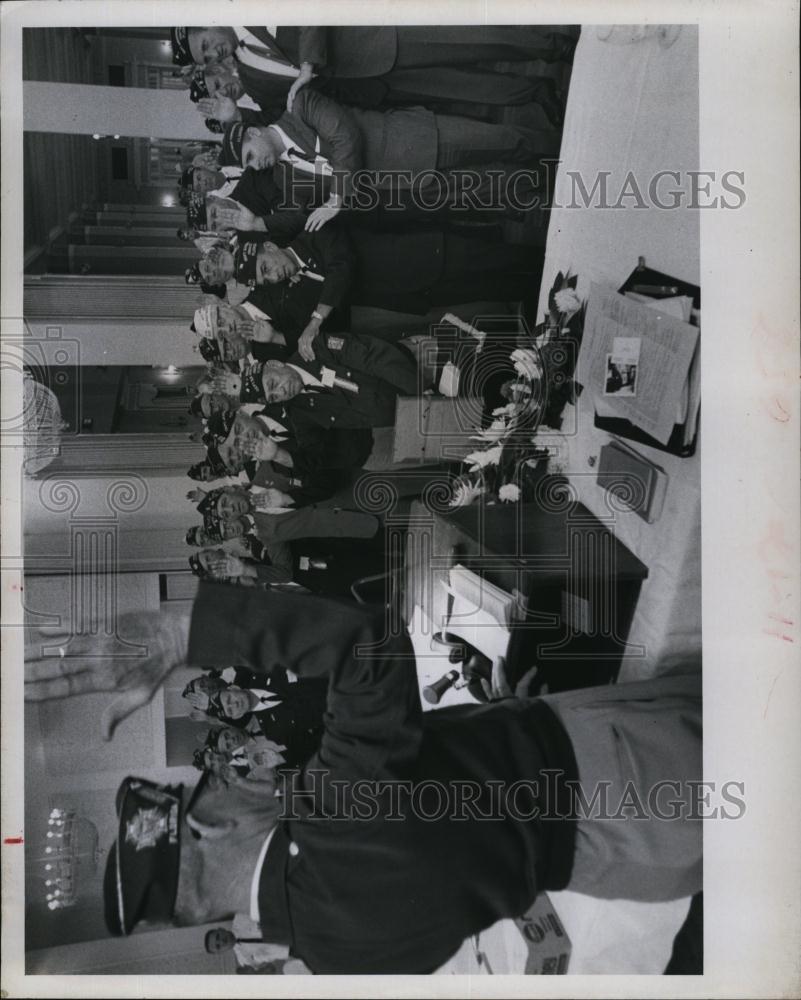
x=300 y=155
x=257 y=48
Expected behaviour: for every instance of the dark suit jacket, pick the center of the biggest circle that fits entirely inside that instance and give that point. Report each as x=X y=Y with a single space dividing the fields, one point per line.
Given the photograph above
x=297 y=722
x=281 y=197
x=290 y=306
x=351 y=139
x=348 y=60
x=343 y=52
x=367 y=894
x=386 y=270
x=345 y=563
x=314 y=448
x=379 y=370
x=314 y=521
x=263 y=193
x=340 y=563
x=314 y=486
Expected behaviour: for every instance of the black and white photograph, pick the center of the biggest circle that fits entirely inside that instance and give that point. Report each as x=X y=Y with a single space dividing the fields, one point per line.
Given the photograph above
x=362 y=609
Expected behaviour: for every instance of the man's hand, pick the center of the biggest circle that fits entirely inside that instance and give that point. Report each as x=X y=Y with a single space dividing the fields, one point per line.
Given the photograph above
x=271 y=498
x=219 y=107
x=225 y=565
x=248 y=221
x=306 y=74
x=263 y=331
x=98 y=663
x=236 y=547
x=499 y=687
x=307 y=339
x=261 y=449
x=318 y=218
x=245 y=324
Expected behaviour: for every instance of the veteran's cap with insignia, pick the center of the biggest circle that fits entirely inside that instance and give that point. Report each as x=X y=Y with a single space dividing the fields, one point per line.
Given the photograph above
x=205 y=321
x=245 y=258
x=198 y=88
x=141 y=878
x=230 y=154
x=179 y=43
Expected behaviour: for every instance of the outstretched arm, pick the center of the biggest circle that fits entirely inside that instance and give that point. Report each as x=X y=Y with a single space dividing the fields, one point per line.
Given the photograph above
x=92 y=664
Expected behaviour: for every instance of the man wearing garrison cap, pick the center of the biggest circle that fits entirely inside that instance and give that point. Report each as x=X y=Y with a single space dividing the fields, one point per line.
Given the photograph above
x=360 y=867
x=362 y=153
x=300 y=285
x=365 y=66
x=240 y=331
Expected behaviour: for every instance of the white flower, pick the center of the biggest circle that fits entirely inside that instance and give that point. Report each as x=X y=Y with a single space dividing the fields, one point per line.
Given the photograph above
x=567 y=301
x=505 y=411
x=494 y=432
x=526 y=363
x=465 y=493
x=509 y=493
x=478 y=459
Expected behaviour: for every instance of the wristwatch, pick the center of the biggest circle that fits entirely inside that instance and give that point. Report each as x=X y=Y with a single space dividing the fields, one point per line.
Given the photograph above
x=317 y=316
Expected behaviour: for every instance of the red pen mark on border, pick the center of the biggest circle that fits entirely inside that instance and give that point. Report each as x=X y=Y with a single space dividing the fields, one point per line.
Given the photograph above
x=778 y=411
x=784 y=621
x=778 y=635
x=13 y=840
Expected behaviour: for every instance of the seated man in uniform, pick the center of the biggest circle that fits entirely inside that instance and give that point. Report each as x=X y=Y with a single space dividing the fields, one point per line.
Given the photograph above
x=298 y=286
x=242 y=438
x=232 y=513
x=208 y=181
x=240 y=332
x=350 y=381
x=453 y=819
x=217 y=564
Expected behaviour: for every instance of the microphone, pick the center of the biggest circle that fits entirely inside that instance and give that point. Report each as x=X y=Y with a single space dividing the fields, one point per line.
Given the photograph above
x=434 y=692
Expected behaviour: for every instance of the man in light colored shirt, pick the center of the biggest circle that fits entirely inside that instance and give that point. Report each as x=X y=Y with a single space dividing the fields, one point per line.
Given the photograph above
x=251 y=951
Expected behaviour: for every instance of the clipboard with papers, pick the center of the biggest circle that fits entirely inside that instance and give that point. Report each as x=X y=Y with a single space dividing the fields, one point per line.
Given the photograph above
x=660 y=316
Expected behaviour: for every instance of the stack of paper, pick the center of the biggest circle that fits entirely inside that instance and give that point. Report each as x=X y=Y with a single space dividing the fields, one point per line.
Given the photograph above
x=640 y=360
x=480 y=612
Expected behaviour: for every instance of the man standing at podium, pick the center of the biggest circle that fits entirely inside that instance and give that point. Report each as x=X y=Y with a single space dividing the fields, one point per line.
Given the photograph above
x=406 y=833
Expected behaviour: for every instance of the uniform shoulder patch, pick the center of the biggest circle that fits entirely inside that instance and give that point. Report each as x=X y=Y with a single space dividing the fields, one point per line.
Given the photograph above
x=335 y=343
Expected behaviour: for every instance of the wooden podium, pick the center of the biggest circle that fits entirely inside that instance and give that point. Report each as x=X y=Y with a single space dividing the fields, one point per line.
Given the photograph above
x=576 y=584
x=435 y=428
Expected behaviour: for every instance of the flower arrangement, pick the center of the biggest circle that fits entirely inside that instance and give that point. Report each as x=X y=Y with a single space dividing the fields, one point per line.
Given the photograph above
x=559 y=339
x=496 y=469
x=505 y=467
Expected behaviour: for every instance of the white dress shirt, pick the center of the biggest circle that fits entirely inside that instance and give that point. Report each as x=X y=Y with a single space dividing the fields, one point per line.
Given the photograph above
x=307 y=377
x=253 y=53
x=305 y=270
x=254 y=885
x=319 y=165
